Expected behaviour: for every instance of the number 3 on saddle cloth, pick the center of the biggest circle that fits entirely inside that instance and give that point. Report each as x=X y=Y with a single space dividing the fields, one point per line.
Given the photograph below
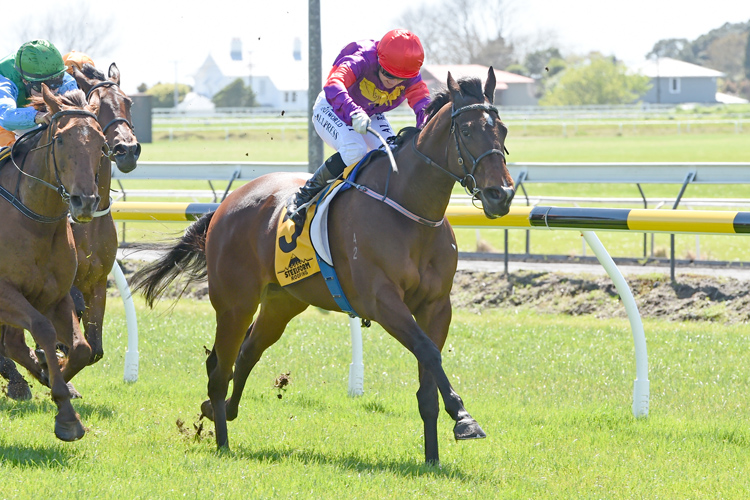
x=304 y=251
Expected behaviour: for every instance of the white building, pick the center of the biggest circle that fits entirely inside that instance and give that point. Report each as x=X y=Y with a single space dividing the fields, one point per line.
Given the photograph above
x=282 y=86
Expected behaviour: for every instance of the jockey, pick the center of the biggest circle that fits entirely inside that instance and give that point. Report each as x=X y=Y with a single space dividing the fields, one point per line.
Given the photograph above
x=21 y=76
x=77 y=59
x=368 y=78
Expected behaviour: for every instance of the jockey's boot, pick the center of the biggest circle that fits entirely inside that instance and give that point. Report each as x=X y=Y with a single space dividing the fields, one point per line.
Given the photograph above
x=327 y=172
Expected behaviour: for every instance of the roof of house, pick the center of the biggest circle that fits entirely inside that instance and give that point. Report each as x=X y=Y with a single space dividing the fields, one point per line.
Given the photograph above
x=672 y=68
x=440 y=72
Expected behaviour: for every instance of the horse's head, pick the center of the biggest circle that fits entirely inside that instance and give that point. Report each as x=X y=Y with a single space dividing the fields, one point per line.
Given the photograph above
x=478 y=159
x=114 y=113
x=76 y=145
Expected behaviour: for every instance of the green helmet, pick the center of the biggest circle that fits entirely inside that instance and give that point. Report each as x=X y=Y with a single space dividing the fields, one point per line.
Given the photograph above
x=39 y=60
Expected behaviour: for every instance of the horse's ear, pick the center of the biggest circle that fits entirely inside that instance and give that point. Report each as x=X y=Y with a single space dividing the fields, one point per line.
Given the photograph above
x=94 y=103
x=489 y=86
x=114 y=73
x=53 y=105
x=453 y=88
x=81 y=79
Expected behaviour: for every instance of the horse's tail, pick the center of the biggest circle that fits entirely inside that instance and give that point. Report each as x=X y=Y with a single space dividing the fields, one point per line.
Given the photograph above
x=188 y=256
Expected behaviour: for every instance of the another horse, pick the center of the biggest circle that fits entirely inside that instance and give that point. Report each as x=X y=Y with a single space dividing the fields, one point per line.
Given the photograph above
x=97 y=241
x=49 y=176
x=393 y=269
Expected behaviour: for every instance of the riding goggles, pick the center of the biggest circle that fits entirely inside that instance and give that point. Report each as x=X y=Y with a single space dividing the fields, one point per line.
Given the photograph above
x=53 y=84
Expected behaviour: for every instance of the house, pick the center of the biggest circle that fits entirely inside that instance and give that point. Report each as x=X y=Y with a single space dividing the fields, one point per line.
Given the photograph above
x=676 y=82
x=281 y=86
x=510 y=90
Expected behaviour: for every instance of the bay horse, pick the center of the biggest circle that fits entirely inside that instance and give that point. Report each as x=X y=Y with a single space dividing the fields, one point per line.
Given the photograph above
x=50 y=175
x=395 y=270
x=96 y=241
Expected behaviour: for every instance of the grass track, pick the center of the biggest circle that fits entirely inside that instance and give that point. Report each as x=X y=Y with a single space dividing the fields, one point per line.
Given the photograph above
x=552 y=392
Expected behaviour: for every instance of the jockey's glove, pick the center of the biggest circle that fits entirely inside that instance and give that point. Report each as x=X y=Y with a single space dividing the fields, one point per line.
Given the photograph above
x=360 y=121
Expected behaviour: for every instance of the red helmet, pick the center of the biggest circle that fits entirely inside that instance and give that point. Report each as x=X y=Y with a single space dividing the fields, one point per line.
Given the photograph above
x=400 y=53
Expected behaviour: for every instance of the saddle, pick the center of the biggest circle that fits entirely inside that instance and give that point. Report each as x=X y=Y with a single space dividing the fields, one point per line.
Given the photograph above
x=303 y=251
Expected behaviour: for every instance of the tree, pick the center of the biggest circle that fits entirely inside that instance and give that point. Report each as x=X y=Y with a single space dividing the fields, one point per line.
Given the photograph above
x=676 y=48
x=461 y=31
x=726 y=54
x=540 y=62
x=163 y=94
x=235 y=95
x=746 y=65
x=596 y=80
x=70 y=26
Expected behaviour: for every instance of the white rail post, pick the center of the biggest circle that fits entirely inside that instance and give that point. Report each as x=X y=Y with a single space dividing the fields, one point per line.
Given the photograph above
x=357 y=367
x=641 y=384
x=131 y=355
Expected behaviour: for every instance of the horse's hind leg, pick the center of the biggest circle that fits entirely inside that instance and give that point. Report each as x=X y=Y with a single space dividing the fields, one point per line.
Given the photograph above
x=276 y=310
x=18 y=388
x=15 y=347
x=231 y=325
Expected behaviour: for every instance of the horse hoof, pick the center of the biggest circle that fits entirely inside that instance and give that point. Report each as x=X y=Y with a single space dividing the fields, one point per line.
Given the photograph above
x=468 y=428
x=69 y=431
x=207 y=410
x=74 y=394
x=19 y=391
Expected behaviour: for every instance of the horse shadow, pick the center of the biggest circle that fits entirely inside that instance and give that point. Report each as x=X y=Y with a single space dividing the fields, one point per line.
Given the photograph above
x=352 y=462
x=40 y=456
x=38 y=405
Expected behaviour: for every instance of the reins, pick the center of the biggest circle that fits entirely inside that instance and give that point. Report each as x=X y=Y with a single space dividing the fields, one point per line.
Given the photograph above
x=463 y=181
x=14 y=199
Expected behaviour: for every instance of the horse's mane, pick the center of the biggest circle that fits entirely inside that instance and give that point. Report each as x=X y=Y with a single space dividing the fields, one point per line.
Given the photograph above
x=469 y=87
x=75 y=98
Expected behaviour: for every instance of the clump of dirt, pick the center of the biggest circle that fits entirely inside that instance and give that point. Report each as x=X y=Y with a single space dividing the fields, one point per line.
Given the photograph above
x=194 y=434
x=281 y=383
x=690 y=298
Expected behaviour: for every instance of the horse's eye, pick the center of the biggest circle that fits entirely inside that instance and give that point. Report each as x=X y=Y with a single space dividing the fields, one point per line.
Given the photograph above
x=465 y=131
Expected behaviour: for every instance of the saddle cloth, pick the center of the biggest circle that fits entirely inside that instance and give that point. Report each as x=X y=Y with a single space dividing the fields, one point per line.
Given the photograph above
x=296 y=247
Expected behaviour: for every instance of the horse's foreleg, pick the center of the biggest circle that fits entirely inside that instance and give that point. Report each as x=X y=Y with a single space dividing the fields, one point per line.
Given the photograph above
x=276 y=310
x=434 y=320
x=396 y=318
x=93 y=319
x=429 y=408
x=69 y=334
x=16 y=310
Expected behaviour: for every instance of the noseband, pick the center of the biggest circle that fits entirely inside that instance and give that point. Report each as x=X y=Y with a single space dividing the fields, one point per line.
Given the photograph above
x=60 y=188
x=119 y=119
x=469 y=174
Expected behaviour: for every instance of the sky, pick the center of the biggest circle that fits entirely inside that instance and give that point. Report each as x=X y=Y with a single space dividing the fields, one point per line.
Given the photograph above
x=161 y=41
